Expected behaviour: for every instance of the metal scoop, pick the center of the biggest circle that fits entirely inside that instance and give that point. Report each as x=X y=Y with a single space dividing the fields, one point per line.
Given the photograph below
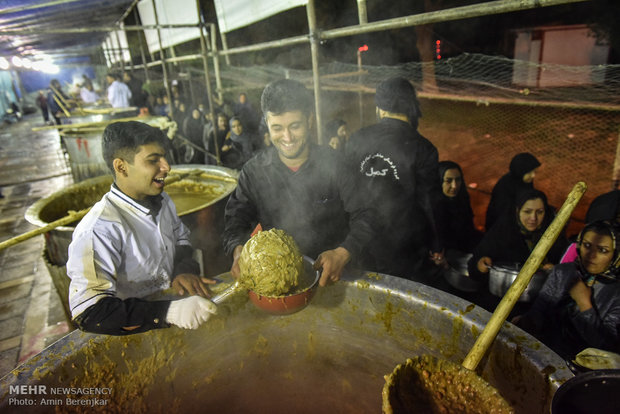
x=285 y=304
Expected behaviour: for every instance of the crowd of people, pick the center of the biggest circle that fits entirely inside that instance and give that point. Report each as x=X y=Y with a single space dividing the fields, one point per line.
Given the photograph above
x=236 y=135
x=377 y=200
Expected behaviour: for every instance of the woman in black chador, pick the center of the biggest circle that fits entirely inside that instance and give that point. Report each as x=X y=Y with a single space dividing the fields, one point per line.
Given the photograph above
x=519 y=178
x=513 y=237
x=457 y=230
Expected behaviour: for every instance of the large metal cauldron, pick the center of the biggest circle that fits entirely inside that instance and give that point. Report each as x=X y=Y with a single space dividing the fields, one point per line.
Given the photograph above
x=85 y=153
x=83 y=143
x=202 y=211
x=328 y=358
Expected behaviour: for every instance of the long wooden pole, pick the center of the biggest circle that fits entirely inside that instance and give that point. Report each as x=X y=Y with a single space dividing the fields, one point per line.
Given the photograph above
x=517 y=288
x=84 y=124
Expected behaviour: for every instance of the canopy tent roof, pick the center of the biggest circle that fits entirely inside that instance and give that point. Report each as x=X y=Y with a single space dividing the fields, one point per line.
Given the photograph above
x=56 y=27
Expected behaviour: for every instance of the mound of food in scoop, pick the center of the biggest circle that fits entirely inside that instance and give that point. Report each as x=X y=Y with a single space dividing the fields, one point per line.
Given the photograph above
x=270 y=263
x=429 y=385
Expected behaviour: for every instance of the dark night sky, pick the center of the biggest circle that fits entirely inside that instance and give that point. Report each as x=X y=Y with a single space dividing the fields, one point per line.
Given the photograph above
x=488 y=35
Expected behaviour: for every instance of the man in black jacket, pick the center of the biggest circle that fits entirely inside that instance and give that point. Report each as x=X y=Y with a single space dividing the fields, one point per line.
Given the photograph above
x=299 y=187
x=399 y=170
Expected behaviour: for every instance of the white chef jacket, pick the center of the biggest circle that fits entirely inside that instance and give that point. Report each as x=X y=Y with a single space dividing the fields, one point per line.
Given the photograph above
x=119 y=249
x=119 y=95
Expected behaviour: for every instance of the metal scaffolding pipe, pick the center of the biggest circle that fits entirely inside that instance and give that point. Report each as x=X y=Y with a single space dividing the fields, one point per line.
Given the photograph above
x=225 y=47
x=205 y=65
x=475 y=10
x=163 y=61
x=131 y=8
x=362 y=12
x=456 y=13
x=119 y=50
x=141 y=43
x=314 y=50
x=267 y=45
x=132 y=28
x=216 y=62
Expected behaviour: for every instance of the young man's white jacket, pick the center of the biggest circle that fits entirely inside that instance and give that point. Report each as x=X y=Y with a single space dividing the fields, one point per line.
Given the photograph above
x=120 y=249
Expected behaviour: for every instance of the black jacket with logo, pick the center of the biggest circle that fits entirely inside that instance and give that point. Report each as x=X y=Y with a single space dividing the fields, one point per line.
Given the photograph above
x=399 y=170
x=319 y=205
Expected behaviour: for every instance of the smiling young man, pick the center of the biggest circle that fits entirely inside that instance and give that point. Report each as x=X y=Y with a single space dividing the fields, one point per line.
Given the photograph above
x=132 y=244
x=299 y=187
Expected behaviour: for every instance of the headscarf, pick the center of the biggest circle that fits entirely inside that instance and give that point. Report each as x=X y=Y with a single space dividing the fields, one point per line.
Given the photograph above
x=444 y=166
x=241 y=144
x=193 y=127
x=532 y=237
x=244 y=132
x=462 y=197
x=522 y=164
x=604 y=207
x=457 y=217
x=610 y=274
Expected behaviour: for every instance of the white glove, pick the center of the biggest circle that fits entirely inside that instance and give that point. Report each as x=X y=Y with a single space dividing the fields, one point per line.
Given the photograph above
x=190 y=313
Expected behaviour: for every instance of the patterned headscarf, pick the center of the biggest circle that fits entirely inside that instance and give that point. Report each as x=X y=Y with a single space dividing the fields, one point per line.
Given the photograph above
x=610 y=274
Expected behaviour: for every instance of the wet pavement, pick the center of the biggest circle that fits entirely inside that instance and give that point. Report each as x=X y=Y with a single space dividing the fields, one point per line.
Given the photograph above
x=32 y=166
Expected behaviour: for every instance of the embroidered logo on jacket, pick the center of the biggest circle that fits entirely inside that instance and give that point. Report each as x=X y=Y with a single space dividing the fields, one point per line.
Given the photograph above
x=378 y=165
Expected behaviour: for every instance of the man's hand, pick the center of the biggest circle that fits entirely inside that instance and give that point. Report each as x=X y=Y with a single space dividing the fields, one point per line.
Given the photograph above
x=484 y=264
x=235 y=271
x=582 y=295
x=332 y=262
x=187 y=283
x=190 y=313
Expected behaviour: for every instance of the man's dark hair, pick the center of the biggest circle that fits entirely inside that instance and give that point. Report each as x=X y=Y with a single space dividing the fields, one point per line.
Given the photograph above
x=398 y=95
x=114 y=75
x=123 y=139
x=286 y=95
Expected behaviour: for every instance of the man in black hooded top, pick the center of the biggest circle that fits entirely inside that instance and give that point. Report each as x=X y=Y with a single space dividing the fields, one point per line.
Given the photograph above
x=399 y=170
x=520 y=177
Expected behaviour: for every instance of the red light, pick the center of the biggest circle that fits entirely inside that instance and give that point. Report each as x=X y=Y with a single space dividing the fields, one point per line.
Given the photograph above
x=438 y=42
x=438 y=57
x=363 y=48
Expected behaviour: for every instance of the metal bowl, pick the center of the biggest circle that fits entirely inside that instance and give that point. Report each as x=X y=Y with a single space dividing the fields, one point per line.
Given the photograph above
x=287 y=304
x=457 y=274
x=501 y=276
